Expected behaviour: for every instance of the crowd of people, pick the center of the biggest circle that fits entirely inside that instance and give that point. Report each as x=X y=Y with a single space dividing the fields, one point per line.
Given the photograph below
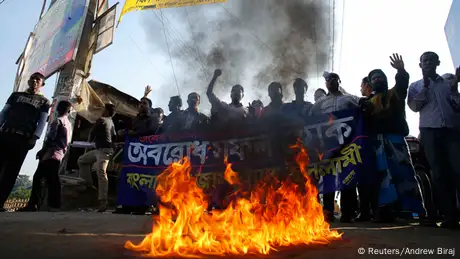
x=436 y=98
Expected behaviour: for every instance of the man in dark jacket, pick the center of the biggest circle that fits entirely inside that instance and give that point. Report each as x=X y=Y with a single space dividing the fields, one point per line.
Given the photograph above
x=22 y=122
x=192 y=119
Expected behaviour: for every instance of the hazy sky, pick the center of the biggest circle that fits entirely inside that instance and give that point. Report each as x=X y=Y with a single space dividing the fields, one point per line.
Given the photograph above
x=372 y=30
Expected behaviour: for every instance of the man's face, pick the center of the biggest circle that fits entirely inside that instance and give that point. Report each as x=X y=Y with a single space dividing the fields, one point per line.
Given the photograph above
x=144 y=106
x=318 y=95
x=378 y=78
x=299 y=90
x=429 y=62
x=158 y=116
x=332 y=84
x=366 y=89
x=35 y=83
x=193 y=100
x=275 y=93
x=236 y=94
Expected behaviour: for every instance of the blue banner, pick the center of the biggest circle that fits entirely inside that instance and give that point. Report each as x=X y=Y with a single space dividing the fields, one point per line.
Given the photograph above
x=336 y=144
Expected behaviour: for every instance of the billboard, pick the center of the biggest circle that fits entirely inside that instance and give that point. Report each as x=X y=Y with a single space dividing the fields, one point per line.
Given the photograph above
x=55 y=39
x=106 y=29
x=452 y=30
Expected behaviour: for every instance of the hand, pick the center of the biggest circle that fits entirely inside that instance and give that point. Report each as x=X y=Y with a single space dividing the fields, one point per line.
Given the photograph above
x=147 y=91
x=121 y=133
x=217 y=73
x=457 y=74
x=426 y=81
x=397 y=61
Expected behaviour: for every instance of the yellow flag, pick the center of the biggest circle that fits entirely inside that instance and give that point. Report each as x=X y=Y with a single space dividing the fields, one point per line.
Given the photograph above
x=135 y=5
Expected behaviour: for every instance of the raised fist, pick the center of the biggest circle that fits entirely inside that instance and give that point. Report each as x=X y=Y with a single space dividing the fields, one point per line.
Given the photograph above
x=217 y=73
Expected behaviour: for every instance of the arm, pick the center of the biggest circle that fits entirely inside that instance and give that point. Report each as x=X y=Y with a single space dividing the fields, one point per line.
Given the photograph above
x=402 y=83
x=52 y=133
x=94 y=130
x=417 y=99
x=42 y=120
x=210 y=91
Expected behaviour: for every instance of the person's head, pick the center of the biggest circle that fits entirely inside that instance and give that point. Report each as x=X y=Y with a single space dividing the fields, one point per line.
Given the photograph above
x=158 y=114
x=193 y=100
x=320 y=92
x=63 y=108
x=36 y=81
x=237 y=93
x=366 y=88
x=275 y=91
x=257 y=107
x=429 y=61
x=300 y=87
x=109 y=110
x=332 y=82
x=144 y=105
x=378 y=81
x=175 y=103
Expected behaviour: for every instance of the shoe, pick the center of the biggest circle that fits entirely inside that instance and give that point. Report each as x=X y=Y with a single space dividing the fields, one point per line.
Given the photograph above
x=346 y=219
x=102 y=206
x=450 y=224
x=28 y=208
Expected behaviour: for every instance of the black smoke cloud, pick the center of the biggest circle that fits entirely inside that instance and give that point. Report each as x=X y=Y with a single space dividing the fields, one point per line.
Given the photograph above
x=254 y=42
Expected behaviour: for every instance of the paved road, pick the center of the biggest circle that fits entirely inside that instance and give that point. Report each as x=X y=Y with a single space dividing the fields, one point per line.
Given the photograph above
x=87 y=235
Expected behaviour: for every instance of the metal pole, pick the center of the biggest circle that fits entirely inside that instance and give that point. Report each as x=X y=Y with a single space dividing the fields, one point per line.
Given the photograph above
x=43 y=10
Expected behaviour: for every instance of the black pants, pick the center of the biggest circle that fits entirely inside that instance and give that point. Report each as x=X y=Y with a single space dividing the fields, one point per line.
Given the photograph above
x=48 y=170
x=368 y=198
x=348 y=200
x=442 y=149
x=13 y=151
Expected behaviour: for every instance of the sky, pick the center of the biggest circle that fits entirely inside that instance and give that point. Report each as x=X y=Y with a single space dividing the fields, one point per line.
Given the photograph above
x=371 y=32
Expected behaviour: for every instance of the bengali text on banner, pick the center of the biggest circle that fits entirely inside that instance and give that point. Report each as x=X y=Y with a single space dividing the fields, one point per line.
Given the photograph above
x=338 y=149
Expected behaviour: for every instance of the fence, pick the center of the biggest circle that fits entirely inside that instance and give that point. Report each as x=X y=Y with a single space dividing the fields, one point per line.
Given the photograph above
x=15 y=204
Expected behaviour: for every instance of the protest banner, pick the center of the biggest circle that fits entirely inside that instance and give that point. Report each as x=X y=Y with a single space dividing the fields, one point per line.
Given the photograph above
x=336 y=144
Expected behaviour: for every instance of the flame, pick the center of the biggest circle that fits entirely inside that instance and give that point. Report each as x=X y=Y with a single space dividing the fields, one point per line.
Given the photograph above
x=274 y=214
x=331 y=119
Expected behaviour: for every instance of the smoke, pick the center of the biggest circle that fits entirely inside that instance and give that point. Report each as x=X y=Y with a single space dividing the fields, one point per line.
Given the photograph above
x=254 y=42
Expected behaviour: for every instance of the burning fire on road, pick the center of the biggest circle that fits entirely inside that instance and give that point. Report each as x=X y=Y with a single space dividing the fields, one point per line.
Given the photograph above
x=272 y=215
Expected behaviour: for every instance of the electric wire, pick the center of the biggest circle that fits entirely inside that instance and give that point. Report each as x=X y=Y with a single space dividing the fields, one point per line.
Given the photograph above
x=169 y=52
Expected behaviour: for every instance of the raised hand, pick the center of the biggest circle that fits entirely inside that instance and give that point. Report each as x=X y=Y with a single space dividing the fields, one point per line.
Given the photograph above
x=397 y=61
x=457 y=74
x=147 y=90
x=217 y=73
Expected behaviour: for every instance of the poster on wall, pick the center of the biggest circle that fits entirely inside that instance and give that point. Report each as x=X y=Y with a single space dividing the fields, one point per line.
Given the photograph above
x=56 y=39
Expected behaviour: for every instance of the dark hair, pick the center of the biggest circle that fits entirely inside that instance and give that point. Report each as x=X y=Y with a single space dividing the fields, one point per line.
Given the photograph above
x=176 y=99
x=239 y=87
x=365 y=80
x=158 y=110
x=321 y=90
x=63 y=107
x=39 y=75
x=275 y=85
x=110 y=109
x=193 y=93
x=148 y=101
x=300 y=81
x=429 y=53
x=259 y=102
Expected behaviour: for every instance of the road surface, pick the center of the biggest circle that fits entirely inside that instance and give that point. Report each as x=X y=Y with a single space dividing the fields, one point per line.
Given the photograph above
x=87 y=235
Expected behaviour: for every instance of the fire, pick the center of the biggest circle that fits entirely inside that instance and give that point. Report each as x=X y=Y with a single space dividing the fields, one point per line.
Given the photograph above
x=274 y=214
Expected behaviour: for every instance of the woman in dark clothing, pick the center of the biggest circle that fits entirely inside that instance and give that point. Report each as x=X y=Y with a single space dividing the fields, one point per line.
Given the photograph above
x=387 y=125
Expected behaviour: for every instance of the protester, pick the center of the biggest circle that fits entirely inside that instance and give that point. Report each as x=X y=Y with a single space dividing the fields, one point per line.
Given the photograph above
x=172 y=122
x=144 y=123
x=22 y=122
x=438 y=103
x=50 y=157
x=275 y=92
x=387 y=129
x=366 y=89
x=223 y=113
x=103 y=133
x=192 y=119
x=334 y=101
x=319 y=93
x=299 y=106
x=255 y=110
